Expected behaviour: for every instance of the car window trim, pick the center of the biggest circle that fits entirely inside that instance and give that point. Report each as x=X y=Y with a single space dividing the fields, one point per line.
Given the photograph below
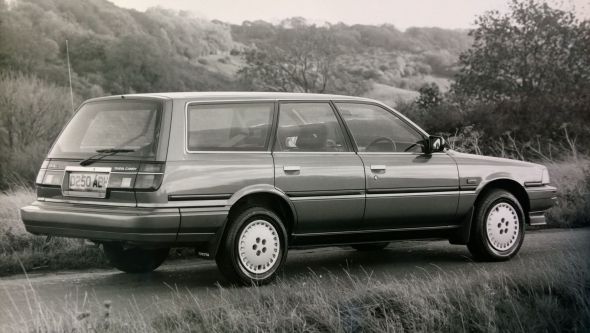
x=400 y=116
x=161 y=102
x=267 y=147
x=349 y=147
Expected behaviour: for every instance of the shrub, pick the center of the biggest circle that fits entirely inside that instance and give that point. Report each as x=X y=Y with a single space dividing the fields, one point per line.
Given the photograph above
x=31 y=114
x=572 y=180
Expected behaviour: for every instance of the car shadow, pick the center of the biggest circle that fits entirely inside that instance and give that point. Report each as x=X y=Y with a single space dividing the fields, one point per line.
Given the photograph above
x=396 y=260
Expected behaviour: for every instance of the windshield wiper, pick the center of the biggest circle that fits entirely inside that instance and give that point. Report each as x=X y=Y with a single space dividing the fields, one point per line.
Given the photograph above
x=102 y=153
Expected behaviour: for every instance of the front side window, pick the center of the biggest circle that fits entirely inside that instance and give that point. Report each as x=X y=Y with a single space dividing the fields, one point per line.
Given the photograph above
x=130 y=125
x=375 y=129
x=229 y=127
x=309 y=127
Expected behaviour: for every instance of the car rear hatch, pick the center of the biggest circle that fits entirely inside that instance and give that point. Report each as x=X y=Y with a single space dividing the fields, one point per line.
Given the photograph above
x=110 y=150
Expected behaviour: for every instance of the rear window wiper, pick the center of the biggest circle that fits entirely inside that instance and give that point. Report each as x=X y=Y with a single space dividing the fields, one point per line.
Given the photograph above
x=102 y=153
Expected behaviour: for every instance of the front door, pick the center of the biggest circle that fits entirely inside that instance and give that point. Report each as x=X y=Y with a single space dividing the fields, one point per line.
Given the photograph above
x=404 y=187
x=317 y=168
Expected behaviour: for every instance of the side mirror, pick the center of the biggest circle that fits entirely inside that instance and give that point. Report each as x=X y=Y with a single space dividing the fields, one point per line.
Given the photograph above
x=435 y=144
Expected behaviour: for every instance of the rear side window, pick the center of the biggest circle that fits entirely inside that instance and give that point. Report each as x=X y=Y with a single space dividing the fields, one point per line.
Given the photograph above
x=309 y=127
x=229 y=127
x=132 y=125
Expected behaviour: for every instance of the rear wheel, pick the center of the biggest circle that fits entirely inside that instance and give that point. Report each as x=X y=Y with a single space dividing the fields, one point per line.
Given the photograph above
x=134 y=259
x=370 y=246
x=498 y=228
x=254 y=247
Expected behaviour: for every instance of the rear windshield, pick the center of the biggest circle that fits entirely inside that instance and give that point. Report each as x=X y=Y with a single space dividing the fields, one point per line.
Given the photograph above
x=129 y=125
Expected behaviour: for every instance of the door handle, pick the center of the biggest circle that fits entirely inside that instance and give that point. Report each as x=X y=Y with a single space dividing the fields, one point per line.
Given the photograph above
x=377 y=167
x=291 y=168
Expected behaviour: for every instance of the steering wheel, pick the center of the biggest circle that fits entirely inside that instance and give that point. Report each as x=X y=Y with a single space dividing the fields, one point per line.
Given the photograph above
x=413 y=145
x=381 y=140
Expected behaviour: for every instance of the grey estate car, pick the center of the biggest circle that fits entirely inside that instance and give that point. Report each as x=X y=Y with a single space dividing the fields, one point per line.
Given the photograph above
x=243 y=177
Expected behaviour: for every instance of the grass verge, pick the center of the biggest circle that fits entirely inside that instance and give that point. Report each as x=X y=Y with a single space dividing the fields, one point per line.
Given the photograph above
x=549 y=296
x=20 y=250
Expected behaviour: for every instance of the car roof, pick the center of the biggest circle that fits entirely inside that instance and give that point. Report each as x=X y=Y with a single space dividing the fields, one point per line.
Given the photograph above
x=237 y=95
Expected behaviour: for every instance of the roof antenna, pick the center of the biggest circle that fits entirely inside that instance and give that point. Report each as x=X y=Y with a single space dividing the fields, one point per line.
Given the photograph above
x=70 y=76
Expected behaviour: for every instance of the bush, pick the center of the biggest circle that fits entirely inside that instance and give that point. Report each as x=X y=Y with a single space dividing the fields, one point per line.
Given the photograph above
x=572 y=180
x=31 y=114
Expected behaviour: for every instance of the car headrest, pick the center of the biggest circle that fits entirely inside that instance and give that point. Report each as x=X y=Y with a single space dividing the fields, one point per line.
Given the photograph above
x=312 y=136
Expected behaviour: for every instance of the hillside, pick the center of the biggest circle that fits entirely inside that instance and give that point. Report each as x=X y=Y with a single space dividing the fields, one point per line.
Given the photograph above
x=115 y=50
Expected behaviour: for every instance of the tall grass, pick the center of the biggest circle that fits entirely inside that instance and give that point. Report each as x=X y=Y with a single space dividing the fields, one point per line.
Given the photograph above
x=572 y=179
x=544 y=296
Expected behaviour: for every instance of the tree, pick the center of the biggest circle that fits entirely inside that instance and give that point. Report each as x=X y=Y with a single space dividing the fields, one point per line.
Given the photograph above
x=532 y=62
x=430 y=96
x=299 y=58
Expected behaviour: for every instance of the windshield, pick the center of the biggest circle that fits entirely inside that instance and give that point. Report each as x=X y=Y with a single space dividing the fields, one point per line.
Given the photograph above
x=131 y=126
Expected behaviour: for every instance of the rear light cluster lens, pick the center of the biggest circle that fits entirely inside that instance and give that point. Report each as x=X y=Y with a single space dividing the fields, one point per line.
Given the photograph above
x=50 y=174
x=545 y=179
x=148 y=178
x=122 y=181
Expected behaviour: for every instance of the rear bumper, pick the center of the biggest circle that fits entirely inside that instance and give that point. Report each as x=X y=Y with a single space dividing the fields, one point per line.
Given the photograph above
x=107 y=223
x=541 y=198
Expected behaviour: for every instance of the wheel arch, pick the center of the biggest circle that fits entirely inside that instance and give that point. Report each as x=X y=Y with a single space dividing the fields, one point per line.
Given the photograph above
x=510 y=185
x=463 y=234
x=266 y=196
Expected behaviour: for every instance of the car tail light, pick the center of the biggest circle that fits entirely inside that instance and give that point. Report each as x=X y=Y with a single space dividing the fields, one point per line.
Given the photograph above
x=53 y=177
x=149 y=177
x=40 y=176
x=50 y=174
x=545 y=179
x=122 y=181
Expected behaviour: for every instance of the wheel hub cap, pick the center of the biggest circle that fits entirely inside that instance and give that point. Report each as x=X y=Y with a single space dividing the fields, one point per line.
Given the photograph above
x=502 y=226
x=259 y=247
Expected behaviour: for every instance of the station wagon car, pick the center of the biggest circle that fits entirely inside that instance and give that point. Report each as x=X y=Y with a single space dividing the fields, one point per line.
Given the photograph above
x=244 y=177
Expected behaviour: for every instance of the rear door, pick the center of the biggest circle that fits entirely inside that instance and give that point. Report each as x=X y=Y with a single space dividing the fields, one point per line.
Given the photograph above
x=217 y=149
x=317 y=168
x=405 y=188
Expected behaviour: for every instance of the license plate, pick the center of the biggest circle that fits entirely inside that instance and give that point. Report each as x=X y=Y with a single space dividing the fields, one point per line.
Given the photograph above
x=92 y=183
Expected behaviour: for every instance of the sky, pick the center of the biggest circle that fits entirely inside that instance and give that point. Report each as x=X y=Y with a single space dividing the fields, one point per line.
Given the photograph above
x=452 y=14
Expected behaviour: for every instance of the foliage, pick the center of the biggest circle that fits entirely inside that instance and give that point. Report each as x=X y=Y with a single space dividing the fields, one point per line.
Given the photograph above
x=31 y=113
x=300 y=58
x=530 y=69
x=572 y=179
x=430 y=96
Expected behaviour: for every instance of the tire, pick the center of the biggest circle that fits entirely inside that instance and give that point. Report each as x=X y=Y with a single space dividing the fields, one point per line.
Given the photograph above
x=498 y=227
x=370 y=246
x=134 y=259
x=264 y=247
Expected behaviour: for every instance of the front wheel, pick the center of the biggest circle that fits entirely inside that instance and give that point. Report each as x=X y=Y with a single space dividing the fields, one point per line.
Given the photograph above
x=134 y=259
x=254 y=247
x=498 y=227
